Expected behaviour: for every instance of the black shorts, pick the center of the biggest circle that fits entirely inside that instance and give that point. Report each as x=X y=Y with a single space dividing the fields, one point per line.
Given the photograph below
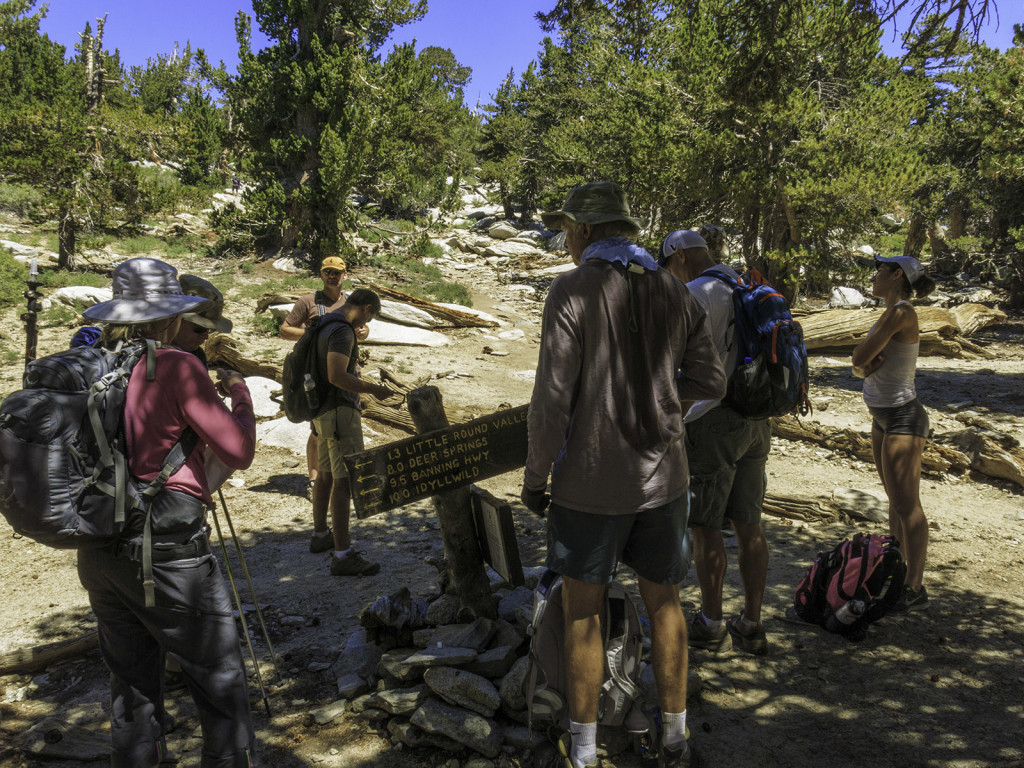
x=907 y=419
x=588 y=547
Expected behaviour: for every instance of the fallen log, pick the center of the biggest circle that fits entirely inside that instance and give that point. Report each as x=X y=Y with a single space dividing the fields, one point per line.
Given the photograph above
x=268 y=300
x=55 y=739
x=40 y=656
x=452 y=316
x=221 y=349
x=942 y=330
x=992 y=452
x=937 y=459
x=981 y=448
x=799 y=508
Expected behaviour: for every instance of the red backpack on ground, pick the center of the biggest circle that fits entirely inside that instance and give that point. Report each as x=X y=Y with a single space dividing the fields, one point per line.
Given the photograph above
x=867 y=569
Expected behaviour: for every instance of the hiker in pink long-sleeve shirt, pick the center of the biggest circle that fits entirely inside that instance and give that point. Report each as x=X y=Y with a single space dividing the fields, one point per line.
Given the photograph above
x=158 y=589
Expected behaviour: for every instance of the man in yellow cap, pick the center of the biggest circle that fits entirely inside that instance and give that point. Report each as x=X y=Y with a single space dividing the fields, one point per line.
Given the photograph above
x=333 y=272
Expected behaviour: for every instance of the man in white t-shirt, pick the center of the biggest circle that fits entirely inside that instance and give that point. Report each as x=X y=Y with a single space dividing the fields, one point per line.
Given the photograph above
x=727 y=454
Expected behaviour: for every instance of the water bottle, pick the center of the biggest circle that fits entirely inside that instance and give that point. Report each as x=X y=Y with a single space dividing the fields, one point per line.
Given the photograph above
x=848 y=613
x=312 y=399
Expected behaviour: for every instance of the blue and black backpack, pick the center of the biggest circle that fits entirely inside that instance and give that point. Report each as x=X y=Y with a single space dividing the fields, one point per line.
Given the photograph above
x=771 y=375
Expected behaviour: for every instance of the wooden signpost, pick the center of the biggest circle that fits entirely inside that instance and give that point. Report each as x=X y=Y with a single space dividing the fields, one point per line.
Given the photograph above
x=440 y=463
x=440 y=460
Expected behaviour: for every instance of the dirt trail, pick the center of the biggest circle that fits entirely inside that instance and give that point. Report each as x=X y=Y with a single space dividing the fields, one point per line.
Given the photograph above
x=941 y=688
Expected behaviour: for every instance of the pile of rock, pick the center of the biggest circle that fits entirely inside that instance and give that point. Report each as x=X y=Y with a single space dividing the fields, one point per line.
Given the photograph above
x=428 y=680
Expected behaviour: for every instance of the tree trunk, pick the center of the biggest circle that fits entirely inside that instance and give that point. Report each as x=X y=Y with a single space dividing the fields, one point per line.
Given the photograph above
x=787 y=207
x=455 y=515
x=917 y=236
x=940 y=250
x=957 y=218
x=65 y=239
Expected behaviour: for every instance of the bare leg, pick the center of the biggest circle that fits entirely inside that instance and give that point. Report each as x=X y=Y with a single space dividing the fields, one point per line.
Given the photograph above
x=341 y=502
x=709 y=561
x=753 y=563
x=901 y=465
x=669 y=649
x=584 y=647
x=321 y=499
x=311 y=456
x=877 y=440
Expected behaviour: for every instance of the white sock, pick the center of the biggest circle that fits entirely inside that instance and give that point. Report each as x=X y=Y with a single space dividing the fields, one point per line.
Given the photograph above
x=341 y=554
x=712 y=623
x=584 y=743
x=745 y=625
x=673 y=726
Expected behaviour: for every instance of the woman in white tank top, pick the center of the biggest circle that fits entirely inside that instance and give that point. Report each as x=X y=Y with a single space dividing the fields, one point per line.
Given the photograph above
x=887 y=361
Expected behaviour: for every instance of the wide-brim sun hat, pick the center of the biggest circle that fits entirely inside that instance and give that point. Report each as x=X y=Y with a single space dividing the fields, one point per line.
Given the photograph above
x=912 y=268
x=598 y=202
x=211 y=317
x=145 y=290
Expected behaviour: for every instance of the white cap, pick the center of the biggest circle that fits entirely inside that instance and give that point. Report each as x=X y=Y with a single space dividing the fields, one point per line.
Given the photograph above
x=680 y=240
x=911 y=267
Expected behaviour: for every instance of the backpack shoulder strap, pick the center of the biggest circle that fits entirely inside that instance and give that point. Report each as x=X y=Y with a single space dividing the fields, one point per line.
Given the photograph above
x=321 y=306
x=618 y=603
x=174 y=461
x=727 y=279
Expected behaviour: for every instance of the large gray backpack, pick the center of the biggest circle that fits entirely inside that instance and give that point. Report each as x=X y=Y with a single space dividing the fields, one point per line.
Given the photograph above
x=64 y=475
x=621 y=702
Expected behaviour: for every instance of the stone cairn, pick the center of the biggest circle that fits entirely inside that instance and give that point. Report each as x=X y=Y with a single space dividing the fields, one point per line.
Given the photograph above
x=430 y=677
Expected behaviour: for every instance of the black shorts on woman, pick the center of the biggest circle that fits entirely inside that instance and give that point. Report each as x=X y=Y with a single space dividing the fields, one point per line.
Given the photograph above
x=907 y=419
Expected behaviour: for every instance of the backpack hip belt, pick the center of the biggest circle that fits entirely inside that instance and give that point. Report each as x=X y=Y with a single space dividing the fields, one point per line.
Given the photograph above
x=134 y=550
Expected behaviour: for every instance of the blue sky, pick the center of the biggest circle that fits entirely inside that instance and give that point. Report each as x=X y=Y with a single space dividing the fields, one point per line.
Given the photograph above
x=491 y=36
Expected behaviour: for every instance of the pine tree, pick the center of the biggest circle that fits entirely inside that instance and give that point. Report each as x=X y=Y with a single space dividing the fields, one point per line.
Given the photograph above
x=305 y=106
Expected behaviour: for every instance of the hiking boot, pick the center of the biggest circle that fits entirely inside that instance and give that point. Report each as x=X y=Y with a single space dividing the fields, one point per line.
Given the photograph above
x=565 y=751
x=704 y=637
x=321 y=541
x=353 y=564
x=756 y=642
x=911 y=601
x=682 y=757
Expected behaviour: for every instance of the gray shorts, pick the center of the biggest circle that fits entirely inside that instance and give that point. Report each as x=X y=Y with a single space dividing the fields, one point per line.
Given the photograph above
x=727 y=454
x=588 y=547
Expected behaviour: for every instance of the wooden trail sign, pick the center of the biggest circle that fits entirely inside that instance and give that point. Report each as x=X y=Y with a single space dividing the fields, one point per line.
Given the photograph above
x=425 y=465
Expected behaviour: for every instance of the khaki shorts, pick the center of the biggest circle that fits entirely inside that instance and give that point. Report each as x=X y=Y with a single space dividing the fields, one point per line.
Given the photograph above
x=339 y=432
x=727 y=454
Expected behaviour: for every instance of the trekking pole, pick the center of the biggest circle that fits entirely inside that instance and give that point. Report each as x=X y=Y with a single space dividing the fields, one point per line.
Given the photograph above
x=241 y=613
x=248 y=578
x=31 y=313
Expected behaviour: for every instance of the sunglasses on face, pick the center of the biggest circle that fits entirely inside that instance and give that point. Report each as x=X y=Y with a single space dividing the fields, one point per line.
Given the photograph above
x=199 y=329
x=331 y=272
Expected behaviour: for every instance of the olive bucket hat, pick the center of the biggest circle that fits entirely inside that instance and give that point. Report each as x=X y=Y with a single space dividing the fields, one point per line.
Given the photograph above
x=144 y=290
x=212 y=316
x=594 y=203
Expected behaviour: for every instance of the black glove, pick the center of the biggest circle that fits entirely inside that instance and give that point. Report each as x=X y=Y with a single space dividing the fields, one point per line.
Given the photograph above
x=535 y=500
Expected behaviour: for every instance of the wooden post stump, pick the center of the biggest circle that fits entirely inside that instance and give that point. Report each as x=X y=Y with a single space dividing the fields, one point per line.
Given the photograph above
x=455 y=516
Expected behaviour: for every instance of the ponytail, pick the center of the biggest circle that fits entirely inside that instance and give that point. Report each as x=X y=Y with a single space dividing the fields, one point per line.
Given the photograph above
x=923 y=286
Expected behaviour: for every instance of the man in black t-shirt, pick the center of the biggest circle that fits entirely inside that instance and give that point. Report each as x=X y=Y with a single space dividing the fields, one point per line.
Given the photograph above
x=339 y=432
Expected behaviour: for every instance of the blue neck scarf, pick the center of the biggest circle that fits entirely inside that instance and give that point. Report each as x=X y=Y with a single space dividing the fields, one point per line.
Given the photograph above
x=621 y=250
